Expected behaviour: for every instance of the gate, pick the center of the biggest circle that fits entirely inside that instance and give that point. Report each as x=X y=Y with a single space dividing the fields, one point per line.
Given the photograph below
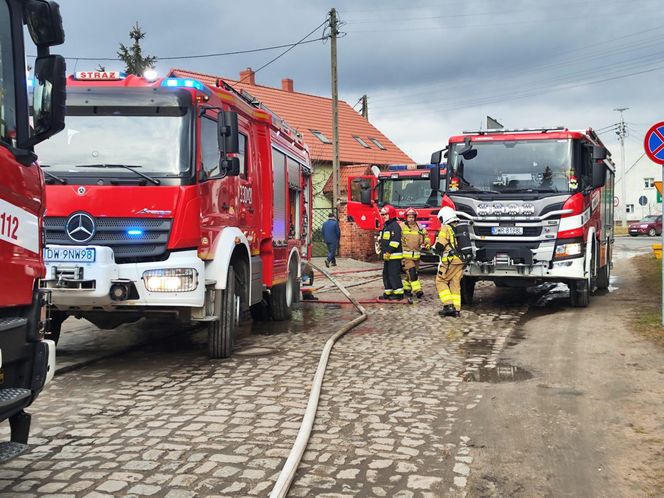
x=319 y=249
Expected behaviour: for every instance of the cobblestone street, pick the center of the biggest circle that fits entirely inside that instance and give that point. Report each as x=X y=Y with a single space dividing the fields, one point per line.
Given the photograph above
x=164 y=420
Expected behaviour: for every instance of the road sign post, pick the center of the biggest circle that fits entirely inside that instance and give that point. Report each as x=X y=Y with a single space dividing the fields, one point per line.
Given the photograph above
x=653 y=143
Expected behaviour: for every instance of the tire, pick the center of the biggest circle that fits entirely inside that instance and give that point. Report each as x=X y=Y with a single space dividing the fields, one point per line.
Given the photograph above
x=604 y=274
x=634 y=234
x=652 y=232
x=55 y=327
x=467 y=291
x=221 y=332
x=579 y=293
x=282 y=299
x=260 y=311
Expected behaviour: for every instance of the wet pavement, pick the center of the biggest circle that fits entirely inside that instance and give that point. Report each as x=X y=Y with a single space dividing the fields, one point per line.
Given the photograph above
x=161 y=419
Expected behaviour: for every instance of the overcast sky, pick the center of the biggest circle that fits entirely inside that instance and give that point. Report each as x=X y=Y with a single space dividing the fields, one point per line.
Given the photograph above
x=430 y=68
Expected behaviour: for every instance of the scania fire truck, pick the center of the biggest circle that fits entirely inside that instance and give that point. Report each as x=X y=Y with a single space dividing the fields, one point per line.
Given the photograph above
x=400 y=186
x=541 y=206
x=27 y=362
x=174 y=197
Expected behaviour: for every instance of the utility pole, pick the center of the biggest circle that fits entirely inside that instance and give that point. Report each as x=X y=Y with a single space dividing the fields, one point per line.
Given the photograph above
x=365 y=107
x=335 y=110
x=622 y=133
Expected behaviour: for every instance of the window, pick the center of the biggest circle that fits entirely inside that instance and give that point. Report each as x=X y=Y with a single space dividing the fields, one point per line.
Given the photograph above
x=242 y=154
x=7 y=98
x=377 y=143
x=630 y=208
x=321 y=136
x=361 y=142
x=210 y=147
x=649 y=182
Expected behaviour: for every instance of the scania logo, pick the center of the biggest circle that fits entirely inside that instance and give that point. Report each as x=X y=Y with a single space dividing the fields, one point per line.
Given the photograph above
x=80 y=227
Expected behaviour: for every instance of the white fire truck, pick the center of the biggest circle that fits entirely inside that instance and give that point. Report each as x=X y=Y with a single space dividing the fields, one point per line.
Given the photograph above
x=171 y=196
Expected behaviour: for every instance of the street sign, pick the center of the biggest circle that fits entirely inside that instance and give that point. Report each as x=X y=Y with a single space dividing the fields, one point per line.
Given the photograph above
x=616 y=201
x=643 y=200
x=653 y=143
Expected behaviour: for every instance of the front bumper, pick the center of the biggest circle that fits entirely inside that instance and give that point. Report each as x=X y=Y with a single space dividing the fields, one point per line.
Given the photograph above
x=87 y=285
x=570 y=269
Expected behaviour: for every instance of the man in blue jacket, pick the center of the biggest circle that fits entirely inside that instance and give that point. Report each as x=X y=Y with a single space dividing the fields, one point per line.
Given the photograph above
x=331 y=236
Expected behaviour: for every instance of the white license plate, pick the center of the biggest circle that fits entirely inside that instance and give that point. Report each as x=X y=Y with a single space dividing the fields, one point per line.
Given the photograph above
x=506 y=230
x=70 y=254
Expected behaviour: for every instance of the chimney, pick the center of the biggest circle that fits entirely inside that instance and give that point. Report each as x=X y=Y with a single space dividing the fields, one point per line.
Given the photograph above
x=287 y=85
x=248 y=76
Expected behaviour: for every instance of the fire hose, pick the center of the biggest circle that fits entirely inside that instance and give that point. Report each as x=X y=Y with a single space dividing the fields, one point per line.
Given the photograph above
x=287 y=474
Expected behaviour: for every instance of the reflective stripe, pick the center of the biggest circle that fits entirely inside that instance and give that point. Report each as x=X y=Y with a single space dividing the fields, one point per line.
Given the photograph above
x=416 y=285
x=407 y=286
x=394 y=255
x=388 y=291
x=394 y=243
x=412 y=254
x=386 y=235
x=398 y=291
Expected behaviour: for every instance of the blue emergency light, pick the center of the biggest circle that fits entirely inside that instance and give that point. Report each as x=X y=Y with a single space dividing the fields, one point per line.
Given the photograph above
x=185 y=83
x=397 y=167
x=134 y=232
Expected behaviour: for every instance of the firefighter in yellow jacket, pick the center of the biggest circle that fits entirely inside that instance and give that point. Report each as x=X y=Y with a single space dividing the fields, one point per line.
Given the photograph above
x=389 y=241
x=450 y=267
x=413 y=239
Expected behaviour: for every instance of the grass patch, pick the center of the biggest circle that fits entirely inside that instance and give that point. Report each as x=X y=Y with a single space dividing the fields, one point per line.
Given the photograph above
x=648 y=316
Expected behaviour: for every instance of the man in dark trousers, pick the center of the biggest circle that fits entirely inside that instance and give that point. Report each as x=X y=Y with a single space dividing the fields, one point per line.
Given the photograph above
x=331 y=236
x=389 y=239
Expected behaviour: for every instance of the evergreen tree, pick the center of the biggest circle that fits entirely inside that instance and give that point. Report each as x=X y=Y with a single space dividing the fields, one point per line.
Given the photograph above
x=135 y=62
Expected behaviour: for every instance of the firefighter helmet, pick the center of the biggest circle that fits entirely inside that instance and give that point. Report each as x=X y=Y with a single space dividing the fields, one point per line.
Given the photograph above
x=447 y=215
x=389 y=211
x=410 y=211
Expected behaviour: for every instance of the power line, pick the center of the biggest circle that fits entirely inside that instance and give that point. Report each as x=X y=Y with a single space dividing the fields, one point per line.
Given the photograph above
x=201 y=56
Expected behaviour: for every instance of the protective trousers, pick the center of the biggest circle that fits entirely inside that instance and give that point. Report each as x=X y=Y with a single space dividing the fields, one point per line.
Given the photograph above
x=412 y=282
x=448 y=283
x=392 y=278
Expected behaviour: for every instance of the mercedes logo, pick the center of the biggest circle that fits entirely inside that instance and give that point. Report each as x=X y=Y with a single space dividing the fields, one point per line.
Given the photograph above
x=80 y=227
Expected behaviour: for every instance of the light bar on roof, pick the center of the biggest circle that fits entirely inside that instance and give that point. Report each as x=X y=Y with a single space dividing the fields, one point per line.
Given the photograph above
x=185 y=83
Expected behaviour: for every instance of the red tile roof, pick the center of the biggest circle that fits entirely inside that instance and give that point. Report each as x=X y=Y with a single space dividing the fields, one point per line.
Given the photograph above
x=310 y=112
x=345 y=173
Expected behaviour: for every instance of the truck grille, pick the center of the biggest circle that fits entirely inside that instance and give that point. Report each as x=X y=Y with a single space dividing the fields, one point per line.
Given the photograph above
x=527 y=232
x=149 y=245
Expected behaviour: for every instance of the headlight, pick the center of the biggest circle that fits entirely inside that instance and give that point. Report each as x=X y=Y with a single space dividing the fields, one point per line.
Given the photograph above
x=171 y=280
x=568 y=250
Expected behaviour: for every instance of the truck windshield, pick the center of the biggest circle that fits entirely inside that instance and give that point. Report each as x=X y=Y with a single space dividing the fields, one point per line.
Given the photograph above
x=497 y=167
x=7 y=97
x=157 y=138
x=407 y=192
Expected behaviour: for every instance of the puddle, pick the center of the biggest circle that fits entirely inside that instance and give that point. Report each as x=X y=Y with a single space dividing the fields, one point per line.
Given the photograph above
x=501 y=372
x=477 y=347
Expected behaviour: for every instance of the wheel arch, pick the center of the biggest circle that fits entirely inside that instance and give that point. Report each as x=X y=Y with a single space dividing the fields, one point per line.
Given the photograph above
x=232 y=246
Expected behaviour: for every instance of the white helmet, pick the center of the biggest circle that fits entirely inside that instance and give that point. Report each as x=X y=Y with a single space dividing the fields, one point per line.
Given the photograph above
x=447 y=215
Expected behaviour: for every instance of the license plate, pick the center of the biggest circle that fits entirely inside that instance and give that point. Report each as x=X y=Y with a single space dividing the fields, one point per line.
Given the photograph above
x=70 y=254
x=506 y=230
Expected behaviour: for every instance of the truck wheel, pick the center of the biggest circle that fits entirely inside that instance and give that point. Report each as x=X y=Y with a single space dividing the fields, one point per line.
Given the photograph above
x=467 y=290
x=260 y=311
x=579 y=293
x=221 y=332
x=283 y=296
x=55 y=327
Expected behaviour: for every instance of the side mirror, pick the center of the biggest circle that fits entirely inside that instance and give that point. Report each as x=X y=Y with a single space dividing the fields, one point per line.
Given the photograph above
x=599 y=175
x=44 y=23
x=599 y=153
x=48 y=99
x=434 y=178
x=230 y=165
x=437 y=157
x=229 y=141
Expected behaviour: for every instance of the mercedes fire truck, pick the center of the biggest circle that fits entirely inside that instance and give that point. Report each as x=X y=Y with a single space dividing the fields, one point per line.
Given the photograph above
x=540 y=202
x=174 y=197
x=27 y=362
x=400 y=186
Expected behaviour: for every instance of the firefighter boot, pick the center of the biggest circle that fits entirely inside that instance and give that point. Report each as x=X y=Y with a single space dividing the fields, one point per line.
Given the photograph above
x=419 y=294
x=448 y=310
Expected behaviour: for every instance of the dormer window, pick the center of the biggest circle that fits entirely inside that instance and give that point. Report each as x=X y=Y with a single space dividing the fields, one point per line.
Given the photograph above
x=377 y=143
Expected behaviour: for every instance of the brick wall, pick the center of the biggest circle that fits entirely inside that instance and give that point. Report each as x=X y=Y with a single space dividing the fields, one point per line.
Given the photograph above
x=355 y=242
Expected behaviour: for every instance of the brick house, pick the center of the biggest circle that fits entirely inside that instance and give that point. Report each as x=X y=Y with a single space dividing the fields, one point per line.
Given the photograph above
x=361 y=145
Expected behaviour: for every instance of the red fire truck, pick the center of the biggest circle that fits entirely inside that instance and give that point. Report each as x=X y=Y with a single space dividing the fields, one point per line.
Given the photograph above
x=174 y=197
x=27 y=362
x=400 y=186
x=541 y=206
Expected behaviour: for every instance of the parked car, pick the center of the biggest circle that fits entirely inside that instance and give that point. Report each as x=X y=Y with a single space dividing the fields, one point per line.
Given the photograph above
x=650 y=225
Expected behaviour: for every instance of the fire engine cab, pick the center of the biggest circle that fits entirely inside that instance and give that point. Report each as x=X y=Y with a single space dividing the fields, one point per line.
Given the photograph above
x=540 y=202
x=400 y=186
x=27 y=362
x=174 y=197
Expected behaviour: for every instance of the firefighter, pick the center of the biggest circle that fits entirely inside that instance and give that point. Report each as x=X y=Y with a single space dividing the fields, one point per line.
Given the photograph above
x=413 y=239
x=450 y=267
x=389 y=240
